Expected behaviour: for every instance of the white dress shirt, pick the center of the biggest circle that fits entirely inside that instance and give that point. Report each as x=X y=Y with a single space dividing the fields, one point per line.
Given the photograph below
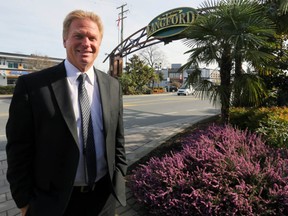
x=91 y=86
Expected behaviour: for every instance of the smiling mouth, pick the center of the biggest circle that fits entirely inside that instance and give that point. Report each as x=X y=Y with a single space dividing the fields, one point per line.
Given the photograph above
x=84 y=52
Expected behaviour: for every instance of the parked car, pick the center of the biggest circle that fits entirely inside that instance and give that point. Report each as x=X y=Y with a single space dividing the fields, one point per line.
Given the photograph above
x=172 y=89
x=185 y=91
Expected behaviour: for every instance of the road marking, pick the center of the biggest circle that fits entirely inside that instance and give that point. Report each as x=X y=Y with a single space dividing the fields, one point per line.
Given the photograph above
x=129 y=105
x=170 y=113
x=144 y=103
x=4 y=114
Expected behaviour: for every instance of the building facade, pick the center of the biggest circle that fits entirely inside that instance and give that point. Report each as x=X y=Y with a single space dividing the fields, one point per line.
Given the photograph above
x=212 y=75
x=13 y=65
x=172 y=76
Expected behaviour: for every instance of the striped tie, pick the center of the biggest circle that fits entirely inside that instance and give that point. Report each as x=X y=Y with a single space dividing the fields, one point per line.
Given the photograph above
x=87 y=132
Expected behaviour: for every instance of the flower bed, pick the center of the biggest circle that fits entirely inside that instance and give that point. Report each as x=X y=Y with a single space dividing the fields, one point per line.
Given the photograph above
x=220 y=171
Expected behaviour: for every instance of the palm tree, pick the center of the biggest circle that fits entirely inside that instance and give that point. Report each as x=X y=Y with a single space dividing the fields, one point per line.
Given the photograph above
x=229 y=33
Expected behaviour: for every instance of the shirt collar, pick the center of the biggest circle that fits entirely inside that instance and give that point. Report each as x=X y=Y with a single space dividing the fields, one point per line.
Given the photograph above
x=73 y=73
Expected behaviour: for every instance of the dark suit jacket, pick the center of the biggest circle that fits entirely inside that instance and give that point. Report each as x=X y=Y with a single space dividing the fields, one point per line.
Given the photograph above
x=42 y=152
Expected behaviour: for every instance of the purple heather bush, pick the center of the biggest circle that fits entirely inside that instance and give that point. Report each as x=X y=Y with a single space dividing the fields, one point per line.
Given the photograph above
x=220 y=171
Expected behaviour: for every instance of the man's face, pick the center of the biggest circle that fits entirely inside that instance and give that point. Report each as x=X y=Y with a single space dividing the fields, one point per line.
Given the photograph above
x=82 y=43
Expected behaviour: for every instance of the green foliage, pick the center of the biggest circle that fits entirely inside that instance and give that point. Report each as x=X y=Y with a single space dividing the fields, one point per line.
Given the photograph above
x=275 y=132
x=248 y=90
x=276 y=80
x=136 y=77
x=147 y=90
x=126 y=83
x=271 y=123
x=249 y=118
x=6 y=89
x=230 y=33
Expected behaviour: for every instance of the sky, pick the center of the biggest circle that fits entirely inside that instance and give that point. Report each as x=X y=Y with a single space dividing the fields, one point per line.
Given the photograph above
x=35 y=27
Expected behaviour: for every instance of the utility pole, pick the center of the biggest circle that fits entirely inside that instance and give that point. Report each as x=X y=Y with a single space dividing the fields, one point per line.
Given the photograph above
x=116 y=62
x=120 y=19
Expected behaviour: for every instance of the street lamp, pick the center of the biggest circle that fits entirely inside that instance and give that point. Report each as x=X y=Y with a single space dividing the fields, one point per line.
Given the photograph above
x=158 y=68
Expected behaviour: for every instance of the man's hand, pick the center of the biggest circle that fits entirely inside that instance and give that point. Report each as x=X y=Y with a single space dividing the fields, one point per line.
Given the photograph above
x=24 y=210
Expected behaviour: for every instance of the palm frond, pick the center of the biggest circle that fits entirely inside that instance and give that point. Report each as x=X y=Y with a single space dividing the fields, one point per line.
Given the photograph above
x=283 y=7
x=251 y=88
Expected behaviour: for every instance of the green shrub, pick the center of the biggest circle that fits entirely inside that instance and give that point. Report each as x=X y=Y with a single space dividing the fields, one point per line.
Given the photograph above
x=270 y=122
x=275 y=132
x=147 y=90
x=6 y=89
x=247 y=118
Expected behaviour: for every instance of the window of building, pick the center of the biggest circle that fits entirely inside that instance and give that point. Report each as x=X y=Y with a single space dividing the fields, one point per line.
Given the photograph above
x=175 y=75
x=10 y=64
x=25 y=66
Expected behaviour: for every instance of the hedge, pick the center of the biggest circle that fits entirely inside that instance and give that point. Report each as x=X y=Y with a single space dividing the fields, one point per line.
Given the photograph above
x=6 y=89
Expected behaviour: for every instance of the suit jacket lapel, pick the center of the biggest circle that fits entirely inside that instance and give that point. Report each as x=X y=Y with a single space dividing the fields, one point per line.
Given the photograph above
x=61 y=91
x=60 y=87
x=105 y=98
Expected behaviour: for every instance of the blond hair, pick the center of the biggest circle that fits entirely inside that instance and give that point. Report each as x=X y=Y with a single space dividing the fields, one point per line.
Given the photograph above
x=80 y=14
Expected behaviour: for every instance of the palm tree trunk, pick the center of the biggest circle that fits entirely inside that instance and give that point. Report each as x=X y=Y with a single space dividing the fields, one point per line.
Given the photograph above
x=225 y=85
x=238 y=72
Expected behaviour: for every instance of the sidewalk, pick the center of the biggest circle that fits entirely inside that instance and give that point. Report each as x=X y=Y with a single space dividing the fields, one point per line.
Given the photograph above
x=139 y=142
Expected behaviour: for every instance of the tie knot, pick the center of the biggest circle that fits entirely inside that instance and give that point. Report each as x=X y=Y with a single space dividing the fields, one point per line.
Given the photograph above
x=81 y=78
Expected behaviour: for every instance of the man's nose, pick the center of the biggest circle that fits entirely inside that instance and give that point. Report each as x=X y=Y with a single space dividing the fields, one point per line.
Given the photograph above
x=85 y=41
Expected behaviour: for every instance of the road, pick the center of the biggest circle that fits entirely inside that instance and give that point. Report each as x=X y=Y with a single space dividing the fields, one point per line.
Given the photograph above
x=147 y=110
x=142 y=111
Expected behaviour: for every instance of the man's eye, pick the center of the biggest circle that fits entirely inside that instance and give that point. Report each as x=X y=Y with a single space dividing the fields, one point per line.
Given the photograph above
x=78 y=36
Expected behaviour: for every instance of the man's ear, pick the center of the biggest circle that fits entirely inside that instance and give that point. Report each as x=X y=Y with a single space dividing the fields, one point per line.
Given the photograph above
x=64 y=43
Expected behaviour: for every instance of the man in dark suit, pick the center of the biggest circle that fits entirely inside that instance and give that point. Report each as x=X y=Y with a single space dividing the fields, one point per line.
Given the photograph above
x=47 y=148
